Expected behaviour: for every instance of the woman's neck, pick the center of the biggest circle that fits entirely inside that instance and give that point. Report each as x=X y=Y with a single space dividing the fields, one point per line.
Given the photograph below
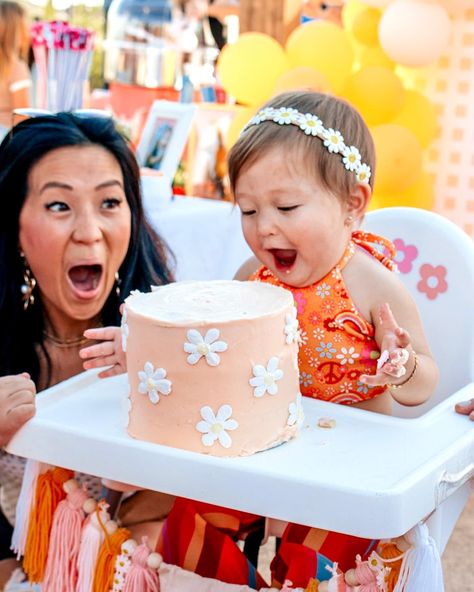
x=67 y=332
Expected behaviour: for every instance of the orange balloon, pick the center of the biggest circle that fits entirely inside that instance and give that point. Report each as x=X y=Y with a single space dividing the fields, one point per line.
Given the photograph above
x=365 y=26
x=418 y=195
x=302 y=78
x=398 y=156
x=419 y=115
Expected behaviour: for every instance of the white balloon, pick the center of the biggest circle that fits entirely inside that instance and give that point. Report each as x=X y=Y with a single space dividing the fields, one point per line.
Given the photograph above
x=414 y=33
x=457 y=6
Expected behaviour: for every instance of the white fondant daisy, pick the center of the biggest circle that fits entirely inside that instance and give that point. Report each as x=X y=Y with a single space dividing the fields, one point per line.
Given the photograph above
x=291 y=327
x=311 y=125
x=285 y=116
x=153 y=382
x=364 y=173
x=264 y=379
x=214 y=427
x=207 y=346
x=352 y=158
x=124 y=329
x=334 y=141
x=295 y=411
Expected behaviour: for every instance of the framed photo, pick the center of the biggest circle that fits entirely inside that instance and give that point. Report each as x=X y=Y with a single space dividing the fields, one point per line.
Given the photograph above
x=207 y=150
x=164 y=136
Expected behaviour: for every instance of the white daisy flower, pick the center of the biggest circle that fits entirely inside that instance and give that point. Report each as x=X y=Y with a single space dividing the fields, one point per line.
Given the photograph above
x=374 y=562
x=347 y=356
x=153 y=382
x=124 y=329
x=334 y=141
x=323 y=290
x=207 y=346
x=352 y=158
x=295 y=412
x=291 y=327
x=364 y=173
x=264 y=379
x=284 y=116
x=311 y=125
x=214 y=427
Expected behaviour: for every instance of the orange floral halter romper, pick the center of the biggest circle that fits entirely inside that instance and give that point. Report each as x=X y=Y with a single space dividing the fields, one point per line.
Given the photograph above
x=337 y=343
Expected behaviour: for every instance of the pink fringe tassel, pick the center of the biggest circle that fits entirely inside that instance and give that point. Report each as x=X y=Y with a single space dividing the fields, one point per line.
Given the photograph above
x=64 y=544
x=91 y=540
x=141 y=578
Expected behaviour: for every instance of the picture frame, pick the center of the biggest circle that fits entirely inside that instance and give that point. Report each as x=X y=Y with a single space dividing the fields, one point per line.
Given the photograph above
x=164 y=136
x=206 y=153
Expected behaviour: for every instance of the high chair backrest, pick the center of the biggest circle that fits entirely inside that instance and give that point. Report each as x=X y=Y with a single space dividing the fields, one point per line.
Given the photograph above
x=436 y=263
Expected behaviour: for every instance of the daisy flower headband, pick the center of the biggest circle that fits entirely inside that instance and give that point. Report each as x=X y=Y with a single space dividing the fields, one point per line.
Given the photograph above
x=311 y=125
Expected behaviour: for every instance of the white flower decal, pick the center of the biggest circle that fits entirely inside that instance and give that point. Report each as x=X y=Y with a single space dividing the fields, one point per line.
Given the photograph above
x=153 y=382
x=323 y=290
x=291 y=327
x=124 y=329
x=364 y=173
x=311 y=125
x=347 y=356
x=295 y=412
x=352 y=158
x=334 y=141
x=264 y=379
x=215 y=427
x=207 y=346
x=285 y=116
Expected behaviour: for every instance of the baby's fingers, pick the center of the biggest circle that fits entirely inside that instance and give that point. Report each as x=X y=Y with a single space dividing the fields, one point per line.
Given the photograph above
x=101 y=333
x=403 y=337
x=99 y=362
x=99 y=350
x=466 y=408
x=378 y=379
x=112 y=371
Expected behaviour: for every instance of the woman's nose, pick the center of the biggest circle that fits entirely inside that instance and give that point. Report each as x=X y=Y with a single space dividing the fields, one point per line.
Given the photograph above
x=87 y=228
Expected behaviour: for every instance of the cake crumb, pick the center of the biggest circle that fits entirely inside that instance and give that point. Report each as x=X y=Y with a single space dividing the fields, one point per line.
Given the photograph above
x=326 y=422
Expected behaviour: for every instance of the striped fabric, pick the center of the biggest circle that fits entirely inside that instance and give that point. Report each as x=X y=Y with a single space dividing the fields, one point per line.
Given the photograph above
x=202 y=538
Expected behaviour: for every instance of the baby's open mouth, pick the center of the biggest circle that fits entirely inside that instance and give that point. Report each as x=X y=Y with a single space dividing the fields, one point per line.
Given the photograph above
x=85 y=278
x=284 y=258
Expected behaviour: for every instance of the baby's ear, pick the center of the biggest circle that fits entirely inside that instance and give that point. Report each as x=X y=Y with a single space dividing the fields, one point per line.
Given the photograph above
x=358 y=200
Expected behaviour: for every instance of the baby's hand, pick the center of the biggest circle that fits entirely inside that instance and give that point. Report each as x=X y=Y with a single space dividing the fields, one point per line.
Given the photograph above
x=107 y=353
x=395 y=355
x=466 y=408
x=17 y=404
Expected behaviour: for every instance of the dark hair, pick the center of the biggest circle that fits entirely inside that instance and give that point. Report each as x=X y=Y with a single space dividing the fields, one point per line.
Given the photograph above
x=145 y=262
x=327 y=168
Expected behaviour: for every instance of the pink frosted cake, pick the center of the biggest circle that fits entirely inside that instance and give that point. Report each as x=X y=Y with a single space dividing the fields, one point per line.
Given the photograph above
x=213 y=366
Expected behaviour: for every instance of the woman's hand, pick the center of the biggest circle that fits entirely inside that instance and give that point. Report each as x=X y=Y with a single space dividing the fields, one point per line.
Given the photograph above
x=17 y=404
x=466 y=408
x=106 y=353
x=395 y=359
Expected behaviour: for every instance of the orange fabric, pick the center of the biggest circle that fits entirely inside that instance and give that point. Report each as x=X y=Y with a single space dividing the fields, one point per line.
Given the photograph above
x=337 y=343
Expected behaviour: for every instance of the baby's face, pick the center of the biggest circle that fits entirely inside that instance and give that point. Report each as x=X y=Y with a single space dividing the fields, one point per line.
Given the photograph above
x=294 y=226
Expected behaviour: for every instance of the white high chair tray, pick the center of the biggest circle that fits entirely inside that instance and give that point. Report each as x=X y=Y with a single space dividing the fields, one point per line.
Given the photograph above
x=372 y=476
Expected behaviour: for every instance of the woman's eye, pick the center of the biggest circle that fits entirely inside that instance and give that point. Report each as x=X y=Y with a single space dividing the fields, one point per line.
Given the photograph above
x=287 y=208
x=111 y=203
x=57 y=206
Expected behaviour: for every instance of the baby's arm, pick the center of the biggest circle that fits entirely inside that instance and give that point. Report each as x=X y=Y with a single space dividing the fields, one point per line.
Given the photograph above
x=247 y=269
x=17 y=404
x=407 y=364
x=108 y=352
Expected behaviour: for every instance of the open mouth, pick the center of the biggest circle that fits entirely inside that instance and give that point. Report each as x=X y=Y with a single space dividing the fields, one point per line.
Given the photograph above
x=284 y=259
x=85 y=279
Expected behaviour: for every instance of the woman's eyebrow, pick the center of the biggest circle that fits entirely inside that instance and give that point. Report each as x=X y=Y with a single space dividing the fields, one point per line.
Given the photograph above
x=110 y=183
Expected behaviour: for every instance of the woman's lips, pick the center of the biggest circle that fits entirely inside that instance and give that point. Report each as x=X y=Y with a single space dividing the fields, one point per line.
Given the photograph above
x=284 y=259
x=85 y=280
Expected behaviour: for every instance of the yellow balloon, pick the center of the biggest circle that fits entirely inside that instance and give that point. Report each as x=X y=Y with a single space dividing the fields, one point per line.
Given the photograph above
x=376 y=92
x=419 y=115
x=302 y=78
x=398 y=156
x=365 y=26
x=350 y=11
x=325 y=47
x=418 y=195
x=239 y=121
x=375 y=56
x=249 y=68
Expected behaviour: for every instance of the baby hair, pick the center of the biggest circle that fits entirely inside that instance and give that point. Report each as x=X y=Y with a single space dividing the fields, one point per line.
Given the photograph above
x=327 y=168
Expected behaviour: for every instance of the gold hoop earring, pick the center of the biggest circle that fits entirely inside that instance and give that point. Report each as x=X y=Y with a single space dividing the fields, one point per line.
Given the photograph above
x=118 y=281
x=28 y=285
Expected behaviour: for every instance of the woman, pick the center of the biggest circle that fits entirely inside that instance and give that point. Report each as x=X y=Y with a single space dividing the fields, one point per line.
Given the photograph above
x=73 y=243
x=15 y=79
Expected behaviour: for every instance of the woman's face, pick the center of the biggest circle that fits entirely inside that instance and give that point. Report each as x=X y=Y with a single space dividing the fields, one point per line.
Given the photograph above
x=75 y=230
